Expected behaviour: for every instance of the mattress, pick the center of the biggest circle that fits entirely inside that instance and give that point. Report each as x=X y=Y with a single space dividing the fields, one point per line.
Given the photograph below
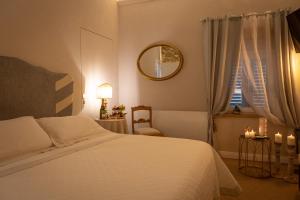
x=120 y=167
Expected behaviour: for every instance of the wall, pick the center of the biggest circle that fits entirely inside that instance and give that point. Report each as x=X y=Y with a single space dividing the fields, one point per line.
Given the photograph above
x=228 y=130
x=99 y=61
x=47 y=33
x=178 y=22
x=181 y=124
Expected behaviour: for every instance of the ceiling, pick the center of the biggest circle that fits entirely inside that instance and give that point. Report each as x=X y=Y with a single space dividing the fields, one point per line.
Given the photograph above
x=128 y=2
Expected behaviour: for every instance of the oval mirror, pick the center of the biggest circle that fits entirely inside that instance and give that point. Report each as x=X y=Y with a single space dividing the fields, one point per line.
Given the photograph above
x=160 y=62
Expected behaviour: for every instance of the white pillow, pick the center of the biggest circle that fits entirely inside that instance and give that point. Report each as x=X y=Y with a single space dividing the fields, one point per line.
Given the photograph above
x=21 y=136
x=67 y=130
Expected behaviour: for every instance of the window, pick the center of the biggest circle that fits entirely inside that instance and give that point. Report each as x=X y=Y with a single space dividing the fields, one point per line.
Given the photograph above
x=237 y=96
x=251 y=78
x=257 y=94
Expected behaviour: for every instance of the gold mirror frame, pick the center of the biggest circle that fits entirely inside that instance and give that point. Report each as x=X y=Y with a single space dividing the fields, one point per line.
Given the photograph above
x=179 y=67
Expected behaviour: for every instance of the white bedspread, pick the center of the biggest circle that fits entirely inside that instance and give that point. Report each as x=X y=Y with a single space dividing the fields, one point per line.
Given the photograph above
x=120 y=167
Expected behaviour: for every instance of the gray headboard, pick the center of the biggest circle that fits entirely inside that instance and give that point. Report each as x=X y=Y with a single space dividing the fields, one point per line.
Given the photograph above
x=27 y=90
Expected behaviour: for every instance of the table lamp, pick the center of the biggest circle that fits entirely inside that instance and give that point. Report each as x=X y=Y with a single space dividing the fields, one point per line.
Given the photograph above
x=104 y=92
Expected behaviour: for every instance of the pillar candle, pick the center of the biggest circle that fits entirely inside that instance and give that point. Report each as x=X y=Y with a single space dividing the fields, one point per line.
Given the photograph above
x=252 y=134
x=291 y=140
x=262 y=130
x=278 y=138
x=247 y=134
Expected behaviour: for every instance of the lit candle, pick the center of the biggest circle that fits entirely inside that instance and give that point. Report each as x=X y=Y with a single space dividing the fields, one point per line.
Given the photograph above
x=247 y=134
x=291 y=140
x=252 y=134
x=278 y=138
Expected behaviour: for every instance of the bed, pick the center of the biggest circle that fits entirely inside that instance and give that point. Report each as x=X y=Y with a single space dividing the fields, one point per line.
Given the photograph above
x=65 y=157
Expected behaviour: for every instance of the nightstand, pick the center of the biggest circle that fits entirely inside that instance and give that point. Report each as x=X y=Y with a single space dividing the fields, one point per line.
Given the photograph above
x=114 y=125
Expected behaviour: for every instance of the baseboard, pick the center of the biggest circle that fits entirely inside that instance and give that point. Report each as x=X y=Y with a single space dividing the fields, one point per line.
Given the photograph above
x=229 y=154
x=235 y=155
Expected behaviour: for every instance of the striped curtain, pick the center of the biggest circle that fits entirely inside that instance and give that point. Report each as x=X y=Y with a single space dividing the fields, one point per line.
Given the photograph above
x=221 y=52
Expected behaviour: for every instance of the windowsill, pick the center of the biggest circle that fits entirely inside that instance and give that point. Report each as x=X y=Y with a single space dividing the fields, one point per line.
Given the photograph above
x=246 y=112
x=240 y=115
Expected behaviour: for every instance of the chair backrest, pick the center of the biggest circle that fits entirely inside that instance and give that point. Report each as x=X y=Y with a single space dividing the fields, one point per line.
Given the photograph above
x=141 y=120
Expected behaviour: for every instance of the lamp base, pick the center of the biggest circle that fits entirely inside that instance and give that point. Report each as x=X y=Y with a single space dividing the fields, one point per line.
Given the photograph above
x=103 y=110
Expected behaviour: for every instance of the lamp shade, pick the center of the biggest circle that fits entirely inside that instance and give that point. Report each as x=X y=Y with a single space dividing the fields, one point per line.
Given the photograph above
x=104 y=91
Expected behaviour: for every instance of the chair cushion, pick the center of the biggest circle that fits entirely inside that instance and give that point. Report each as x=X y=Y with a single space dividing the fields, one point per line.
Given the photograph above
x=147 y=131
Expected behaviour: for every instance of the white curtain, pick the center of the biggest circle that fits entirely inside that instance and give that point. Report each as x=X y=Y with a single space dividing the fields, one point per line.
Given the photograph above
x=266 y=67
x=221 y=41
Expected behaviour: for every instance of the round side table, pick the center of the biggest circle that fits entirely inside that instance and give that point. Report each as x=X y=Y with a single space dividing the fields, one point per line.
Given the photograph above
x=114 y=125
x=255 y=156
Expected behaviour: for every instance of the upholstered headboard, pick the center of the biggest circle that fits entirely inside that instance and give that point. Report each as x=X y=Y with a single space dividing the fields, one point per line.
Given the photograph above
x=27 y=90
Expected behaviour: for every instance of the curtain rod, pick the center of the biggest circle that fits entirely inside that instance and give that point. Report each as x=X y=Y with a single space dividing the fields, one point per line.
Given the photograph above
x=246 y=14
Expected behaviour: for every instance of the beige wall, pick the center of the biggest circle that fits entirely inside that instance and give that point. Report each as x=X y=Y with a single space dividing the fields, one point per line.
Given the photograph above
x=47 y=33
x=99 y=61
x=181 y=124
x=178 y=22
x=228 y=130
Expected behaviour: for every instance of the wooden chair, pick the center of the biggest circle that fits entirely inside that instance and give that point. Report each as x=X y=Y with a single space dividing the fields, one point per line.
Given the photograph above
x=147 y=130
